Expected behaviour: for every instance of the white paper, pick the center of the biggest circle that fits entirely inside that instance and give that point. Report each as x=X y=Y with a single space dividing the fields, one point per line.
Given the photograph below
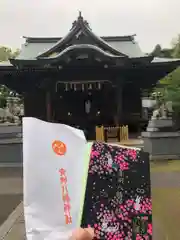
x=43 y=203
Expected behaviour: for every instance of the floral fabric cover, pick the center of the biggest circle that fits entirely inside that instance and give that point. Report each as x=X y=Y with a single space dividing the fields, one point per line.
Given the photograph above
x=118 y=197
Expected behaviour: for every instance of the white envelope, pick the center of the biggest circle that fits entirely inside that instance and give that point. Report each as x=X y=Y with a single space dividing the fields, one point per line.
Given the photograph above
x=47 y=148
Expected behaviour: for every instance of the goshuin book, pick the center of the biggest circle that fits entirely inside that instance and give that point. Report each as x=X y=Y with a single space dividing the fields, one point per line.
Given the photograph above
x=118 y=197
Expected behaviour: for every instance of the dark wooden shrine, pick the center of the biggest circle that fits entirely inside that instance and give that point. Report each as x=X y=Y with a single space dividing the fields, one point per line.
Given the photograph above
x=82 y=79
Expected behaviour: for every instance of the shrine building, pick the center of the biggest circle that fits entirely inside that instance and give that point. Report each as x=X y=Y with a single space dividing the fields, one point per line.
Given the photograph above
x=84 y=80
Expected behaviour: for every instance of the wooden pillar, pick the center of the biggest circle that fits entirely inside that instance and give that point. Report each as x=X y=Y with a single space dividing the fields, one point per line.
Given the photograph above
x=48 y=106
x=28 y=108
x=35 y=104
x=119 y=103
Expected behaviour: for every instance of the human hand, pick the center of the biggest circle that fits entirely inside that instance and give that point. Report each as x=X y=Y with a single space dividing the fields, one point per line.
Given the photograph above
x=83 y=234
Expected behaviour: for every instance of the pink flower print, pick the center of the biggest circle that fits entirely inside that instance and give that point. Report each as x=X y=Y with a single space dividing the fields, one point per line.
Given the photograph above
x=94 y=153
x=124 y=166
x=149 y=228
x=132 y=153
x=146 y=237
x=138 y=237
x=129 y=202
x=120 y=157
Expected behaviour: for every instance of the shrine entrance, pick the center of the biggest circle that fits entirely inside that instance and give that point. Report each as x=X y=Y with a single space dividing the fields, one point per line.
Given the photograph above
x=84 y=104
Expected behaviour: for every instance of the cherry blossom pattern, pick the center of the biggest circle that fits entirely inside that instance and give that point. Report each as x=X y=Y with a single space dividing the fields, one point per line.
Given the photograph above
x=110 y=201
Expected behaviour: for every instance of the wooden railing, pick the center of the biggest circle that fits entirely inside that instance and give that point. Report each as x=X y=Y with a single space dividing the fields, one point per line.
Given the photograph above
x=100 y=134
x=120 y=133
x=124 y=133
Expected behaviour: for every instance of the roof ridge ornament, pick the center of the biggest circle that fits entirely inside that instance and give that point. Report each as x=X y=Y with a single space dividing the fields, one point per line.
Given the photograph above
x=80 y=15
x=80 y=20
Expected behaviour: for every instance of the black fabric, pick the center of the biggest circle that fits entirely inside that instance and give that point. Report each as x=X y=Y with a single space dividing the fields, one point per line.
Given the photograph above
x=118 y=197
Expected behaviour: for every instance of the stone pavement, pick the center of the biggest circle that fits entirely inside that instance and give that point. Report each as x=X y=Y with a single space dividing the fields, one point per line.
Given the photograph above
x=132 y=142
x=14 y=229
x=11 y=186
x=11 y=194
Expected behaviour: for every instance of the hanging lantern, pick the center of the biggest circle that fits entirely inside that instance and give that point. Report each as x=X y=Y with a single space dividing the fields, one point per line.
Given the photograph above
x=87 y=106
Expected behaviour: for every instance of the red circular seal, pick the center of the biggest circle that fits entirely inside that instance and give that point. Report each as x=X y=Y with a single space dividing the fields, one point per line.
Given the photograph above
x=59 y=147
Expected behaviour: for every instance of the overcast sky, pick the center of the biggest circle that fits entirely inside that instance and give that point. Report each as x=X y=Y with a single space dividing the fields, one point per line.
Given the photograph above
x=154 y=21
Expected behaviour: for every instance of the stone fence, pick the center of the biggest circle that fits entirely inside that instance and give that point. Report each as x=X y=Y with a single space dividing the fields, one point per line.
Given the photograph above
x=10 y=145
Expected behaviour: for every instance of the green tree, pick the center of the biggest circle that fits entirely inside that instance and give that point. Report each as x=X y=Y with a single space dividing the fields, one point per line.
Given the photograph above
x=167 y=52
x=157 y=51
x=176 y=47
x=170 y=85
x=15 y=53
x=4 y=93
x=162 y=52
x=5 y=54
x=172 y=89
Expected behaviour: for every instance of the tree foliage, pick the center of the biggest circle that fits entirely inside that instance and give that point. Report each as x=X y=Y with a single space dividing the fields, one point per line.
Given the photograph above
x=176 y=47
x=5 y=54
x=157 y=51
x=162 y=52
x=4 y=94
x=170 y=85
x=172 y=90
